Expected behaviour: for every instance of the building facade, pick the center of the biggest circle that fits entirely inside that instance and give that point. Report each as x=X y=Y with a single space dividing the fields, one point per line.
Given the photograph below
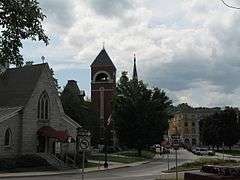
x=103 y=88
x=32 y=118
x=185 y=123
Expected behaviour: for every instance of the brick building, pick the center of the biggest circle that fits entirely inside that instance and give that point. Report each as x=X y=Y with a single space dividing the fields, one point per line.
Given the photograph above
x=103 y=88
x=185 y=123
x=31 y=115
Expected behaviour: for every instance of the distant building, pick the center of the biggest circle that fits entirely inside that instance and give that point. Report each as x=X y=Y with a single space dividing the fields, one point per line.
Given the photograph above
x=185 y=123
x=32 y=119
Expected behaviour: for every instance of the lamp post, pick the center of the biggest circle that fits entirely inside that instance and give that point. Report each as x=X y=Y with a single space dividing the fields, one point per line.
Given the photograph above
x=105 y=145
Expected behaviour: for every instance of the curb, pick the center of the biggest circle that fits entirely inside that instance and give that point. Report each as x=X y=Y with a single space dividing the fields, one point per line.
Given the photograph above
x=55 y=173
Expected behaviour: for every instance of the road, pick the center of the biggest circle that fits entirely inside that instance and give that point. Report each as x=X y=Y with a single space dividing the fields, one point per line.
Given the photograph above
x=149 y=171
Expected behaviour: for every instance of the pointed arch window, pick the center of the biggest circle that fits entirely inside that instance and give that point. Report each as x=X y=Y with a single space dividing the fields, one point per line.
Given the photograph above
x=43 y=106
x=8 y=137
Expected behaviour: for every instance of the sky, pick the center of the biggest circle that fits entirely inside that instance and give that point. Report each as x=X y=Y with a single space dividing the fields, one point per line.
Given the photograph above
x=189 y=48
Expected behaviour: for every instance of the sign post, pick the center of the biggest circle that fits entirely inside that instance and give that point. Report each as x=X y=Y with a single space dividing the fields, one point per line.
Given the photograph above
x=176 y=144
x=83 y=139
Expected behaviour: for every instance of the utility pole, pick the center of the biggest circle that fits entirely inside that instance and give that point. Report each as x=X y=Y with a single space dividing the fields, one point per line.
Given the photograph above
x=176 y=164
x=168 y=160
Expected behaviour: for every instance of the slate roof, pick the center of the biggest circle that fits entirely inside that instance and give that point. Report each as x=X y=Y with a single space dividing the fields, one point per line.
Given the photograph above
x=103 y=59
x=17 y=84
x=4 y=112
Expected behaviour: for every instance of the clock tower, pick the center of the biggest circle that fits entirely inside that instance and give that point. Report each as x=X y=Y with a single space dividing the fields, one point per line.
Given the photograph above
x=103 y=88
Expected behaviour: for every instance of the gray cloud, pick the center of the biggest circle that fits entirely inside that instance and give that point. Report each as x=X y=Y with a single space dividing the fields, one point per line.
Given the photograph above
x=110 y=8
x=189 y=48
x=59 y=12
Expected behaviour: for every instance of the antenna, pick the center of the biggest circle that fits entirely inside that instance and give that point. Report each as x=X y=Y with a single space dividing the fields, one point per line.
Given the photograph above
x=103 y=44
x=43 y=59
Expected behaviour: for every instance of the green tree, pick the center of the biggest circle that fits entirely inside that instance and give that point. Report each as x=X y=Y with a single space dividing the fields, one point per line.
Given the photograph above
x=141 y=114
x=229 y=127
x=19 y=20
x=80 y=111
x=210 y=130
x=222 y=127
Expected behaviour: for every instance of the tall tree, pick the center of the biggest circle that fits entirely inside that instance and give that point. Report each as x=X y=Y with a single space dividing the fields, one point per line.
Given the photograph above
x=80 y=110
x=222 y=127
x=19 y=19
x=141 y=114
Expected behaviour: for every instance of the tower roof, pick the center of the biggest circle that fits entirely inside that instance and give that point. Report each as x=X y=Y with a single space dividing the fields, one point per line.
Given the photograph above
x=103 y=59
x=135 y=76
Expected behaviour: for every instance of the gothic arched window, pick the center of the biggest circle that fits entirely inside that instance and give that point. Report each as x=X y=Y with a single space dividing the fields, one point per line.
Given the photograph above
x=8 y=137
x=43 y=106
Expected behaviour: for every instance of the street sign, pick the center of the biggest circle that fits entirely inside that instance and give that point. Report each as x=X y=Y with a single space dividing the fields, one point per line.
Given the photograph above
x=84 y=144
x=176 y=142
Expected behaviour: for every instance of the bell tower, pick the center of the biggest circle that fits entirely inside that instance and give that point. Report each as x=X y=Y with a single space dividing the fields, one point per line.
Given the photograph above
x=103 y=87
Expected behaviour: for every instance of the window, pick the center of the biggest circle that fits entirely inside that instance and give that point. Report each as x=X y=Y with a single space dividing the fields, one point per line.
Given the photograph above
x=43 y=106
x=102 y=77
x=186 y=124
x=193 y=124
x=8 y=137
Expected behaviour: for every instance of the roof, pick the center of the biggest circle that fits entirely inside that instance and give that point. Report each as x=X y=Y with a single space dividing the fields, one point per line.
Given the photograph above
x=6 y=113
x=135 y=76
x=17 y=84
x=103 y=59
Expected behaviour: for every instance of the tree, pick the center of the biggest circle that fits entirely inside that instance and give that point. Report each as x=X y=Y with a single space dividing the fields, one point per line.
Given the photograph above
x=141 y=114
x=229 y=127
x=19 y=20
x=80 y=111
x=222 y=127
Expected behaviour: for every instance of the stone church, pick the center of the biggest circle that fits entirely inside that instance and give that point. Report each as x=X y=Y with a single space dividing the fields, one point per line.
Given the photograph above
x=32 y=119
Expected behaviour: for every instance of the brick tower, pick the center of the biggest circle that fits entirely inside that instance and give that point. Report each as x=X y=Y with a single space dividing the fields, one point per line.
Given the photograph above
x=103 y=87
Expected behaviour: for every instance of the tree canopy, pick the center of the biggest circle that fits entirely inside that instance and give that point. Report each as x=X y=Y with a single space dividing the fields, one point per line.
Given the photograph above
x=140 y=114
x=222 y=127
x=19 y=20
x=80 y=111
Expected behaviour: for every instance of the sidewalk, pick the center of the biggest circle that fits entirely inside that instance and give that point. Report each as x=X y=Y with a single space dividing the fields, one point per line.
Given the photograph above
x=227 y=156
x=166 y=176
x=112 y=165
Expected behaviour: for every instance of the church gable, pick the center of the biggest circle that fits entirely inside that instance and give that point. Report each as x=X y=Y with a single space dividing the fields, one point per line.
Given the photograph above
x=17 y=84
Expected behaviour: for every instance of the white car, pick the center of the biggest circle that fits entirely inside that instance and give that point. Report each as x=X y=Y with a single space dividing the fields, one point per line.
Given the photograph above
x=203 y=151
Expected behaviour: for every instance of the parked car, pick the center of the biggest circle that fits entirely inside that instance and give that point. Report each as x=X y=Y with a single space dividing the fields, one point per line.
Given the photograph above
x=203 y=151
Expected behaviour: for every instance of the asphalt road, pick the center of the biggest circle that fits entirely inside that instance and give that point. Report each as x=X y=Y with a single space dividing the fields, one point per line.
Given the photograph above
x=149 y=171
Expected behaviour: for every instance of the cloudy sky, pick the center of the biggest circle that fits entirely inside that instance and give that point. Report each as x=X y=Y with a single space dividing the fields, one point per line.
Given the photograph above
x=189 y=48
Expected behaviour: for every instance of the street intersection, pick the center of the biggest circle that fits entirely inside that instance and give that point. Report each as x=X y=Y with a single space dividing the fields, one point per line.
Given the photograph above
x=147 y=171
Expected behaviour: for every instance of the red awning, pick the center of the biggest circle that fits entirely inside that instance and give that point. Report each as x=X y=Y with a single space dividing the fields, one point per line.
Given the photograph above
x=47 y=131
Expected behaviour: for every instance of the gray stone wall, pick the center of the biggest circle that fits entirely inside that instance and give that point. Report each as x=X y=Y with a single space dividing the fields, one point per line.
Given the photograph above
x=31 y=124
x=14 y=123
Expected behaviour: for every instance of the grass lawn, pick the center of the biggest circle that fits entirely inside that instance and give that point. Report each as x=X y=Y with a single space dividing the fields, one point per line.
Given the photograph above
x=230 y=152
x=205 y=161
x=125 y=156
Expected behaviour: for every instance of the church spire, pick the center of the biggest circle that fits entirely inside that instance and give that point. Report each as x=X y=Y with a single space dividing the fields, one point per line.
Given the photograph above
x=135 y=76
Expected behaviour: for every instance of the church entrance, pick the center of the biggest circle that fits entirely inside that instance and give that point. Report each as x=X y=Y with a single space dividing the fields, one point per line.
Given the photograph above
x=41 y=144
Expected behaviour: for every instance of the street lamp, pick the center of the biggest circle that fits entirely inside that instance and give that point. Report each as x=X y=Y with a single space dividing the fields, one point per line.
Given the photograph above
x=105 y=144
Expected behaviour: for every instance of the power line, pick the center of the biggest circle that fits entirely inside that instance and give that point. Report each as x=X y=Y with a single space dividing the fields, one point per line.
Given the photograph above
x=233 y=7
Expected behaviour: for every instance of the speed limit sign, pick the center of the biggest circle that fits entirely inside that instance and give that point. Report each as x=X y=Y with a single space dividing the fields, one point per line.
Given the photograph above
x=84 y=144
